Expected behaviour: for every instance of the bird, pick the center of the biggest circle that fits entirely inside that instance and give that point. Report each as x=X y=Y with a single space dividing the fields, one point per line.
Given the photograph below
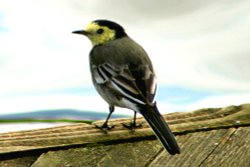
x=123 y=75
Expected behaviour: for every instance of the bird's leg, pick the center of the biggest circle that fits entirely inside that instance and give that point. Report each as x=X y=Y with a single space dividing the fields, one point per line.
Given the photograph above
x=105 y=127
x=133 y=124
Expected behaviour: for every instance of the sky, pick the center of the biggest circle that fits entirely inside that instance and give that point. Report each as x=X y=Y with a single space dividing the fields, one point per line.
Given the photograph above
x=199 y=49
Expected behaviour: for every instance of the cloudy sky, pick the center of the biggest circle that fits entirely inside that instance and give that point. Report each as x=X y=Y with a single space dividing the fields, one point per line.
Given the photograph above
x=200 y=51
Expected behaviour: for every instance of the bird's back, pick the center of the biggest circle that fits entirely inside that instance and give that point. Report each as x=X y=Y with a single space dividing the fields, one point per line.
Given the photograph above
x=125 y=52
x=119 y=52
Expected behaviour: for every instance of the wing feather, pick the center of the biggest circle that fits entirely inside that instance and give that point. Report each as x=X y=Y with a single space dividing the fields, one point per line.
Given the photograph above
x=136 y=86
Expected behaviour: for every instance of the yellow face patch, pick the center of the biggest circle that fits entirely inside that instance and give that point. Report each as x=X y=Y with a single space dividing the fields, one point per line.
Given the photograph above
x=97 y=38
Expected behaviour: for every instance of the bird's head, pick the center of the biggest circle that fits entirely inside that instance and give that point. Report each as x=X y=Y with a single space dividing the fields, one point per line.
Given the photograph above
x=102 y=31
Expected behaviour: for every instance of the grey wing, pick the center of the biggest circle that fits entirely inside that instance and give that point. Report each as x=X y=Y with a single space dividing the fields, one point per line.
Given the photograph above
x=136 y=86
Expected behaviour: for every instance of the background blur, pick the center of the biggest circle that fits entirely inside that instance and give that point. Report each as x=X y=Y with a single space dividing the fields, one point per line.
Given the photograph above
x=200 y=51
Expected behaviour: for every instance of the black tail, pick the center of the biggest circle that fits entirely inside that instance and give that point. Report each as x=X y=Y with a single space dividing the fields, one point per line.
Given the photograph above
x=161 y=129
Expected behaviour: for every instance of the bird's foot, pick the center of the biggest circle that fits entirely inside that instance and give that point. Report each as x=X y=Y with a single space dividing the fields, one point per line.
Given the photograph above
x=105 y=127
x=132 y=125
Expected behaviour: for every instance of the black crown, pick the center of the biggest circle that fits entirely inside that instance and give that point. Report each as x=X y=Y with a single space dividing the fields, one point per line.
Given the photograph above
x=120 y=32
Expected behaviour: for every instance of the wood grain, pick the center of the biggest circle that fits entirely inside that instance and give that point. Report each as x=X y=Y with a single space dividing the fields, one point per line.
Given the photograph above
x=207 y=137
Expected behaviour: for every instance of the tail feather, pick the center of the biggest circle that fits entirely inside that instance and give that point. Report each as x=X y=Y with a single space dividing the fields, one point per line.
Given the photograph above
x=161 y=129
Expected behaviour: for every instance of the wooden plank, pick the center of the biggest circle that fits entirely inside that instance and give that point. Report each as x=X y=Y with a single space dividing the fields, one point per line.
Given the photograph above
x=135 y=154
x=195 y=148
x=19 y=161
x=84 y=134
x=233 y=151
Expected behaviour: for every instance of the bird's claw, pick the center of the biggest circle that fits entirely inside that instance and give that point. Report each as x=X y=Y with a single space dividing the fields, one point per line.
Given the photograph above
x=132 y=125
x=105 y=127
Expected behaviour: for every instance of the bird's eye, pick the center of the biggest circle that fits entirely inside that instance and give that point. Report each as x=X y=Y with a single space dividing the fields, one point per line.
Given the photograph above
x=100 y=31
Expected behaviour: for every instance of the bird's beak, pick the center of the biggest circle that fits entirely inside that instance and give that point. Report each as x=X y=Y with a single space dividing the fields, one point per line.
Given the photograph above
x=82 y=32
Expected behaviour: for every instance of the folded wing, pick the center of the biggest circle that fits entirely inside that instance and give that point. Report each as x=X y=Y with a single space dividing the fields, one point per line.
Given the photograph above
x=138 y=85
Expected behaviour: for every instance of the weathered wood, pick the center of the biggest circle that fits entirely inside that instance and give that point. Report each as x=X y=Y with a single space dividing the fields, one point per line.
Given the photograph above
x=86 y=134
x=195 y=148
x=209 y=148
x=232 y=151
x=126 y=154
x=207 y=137
x=19 y=161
